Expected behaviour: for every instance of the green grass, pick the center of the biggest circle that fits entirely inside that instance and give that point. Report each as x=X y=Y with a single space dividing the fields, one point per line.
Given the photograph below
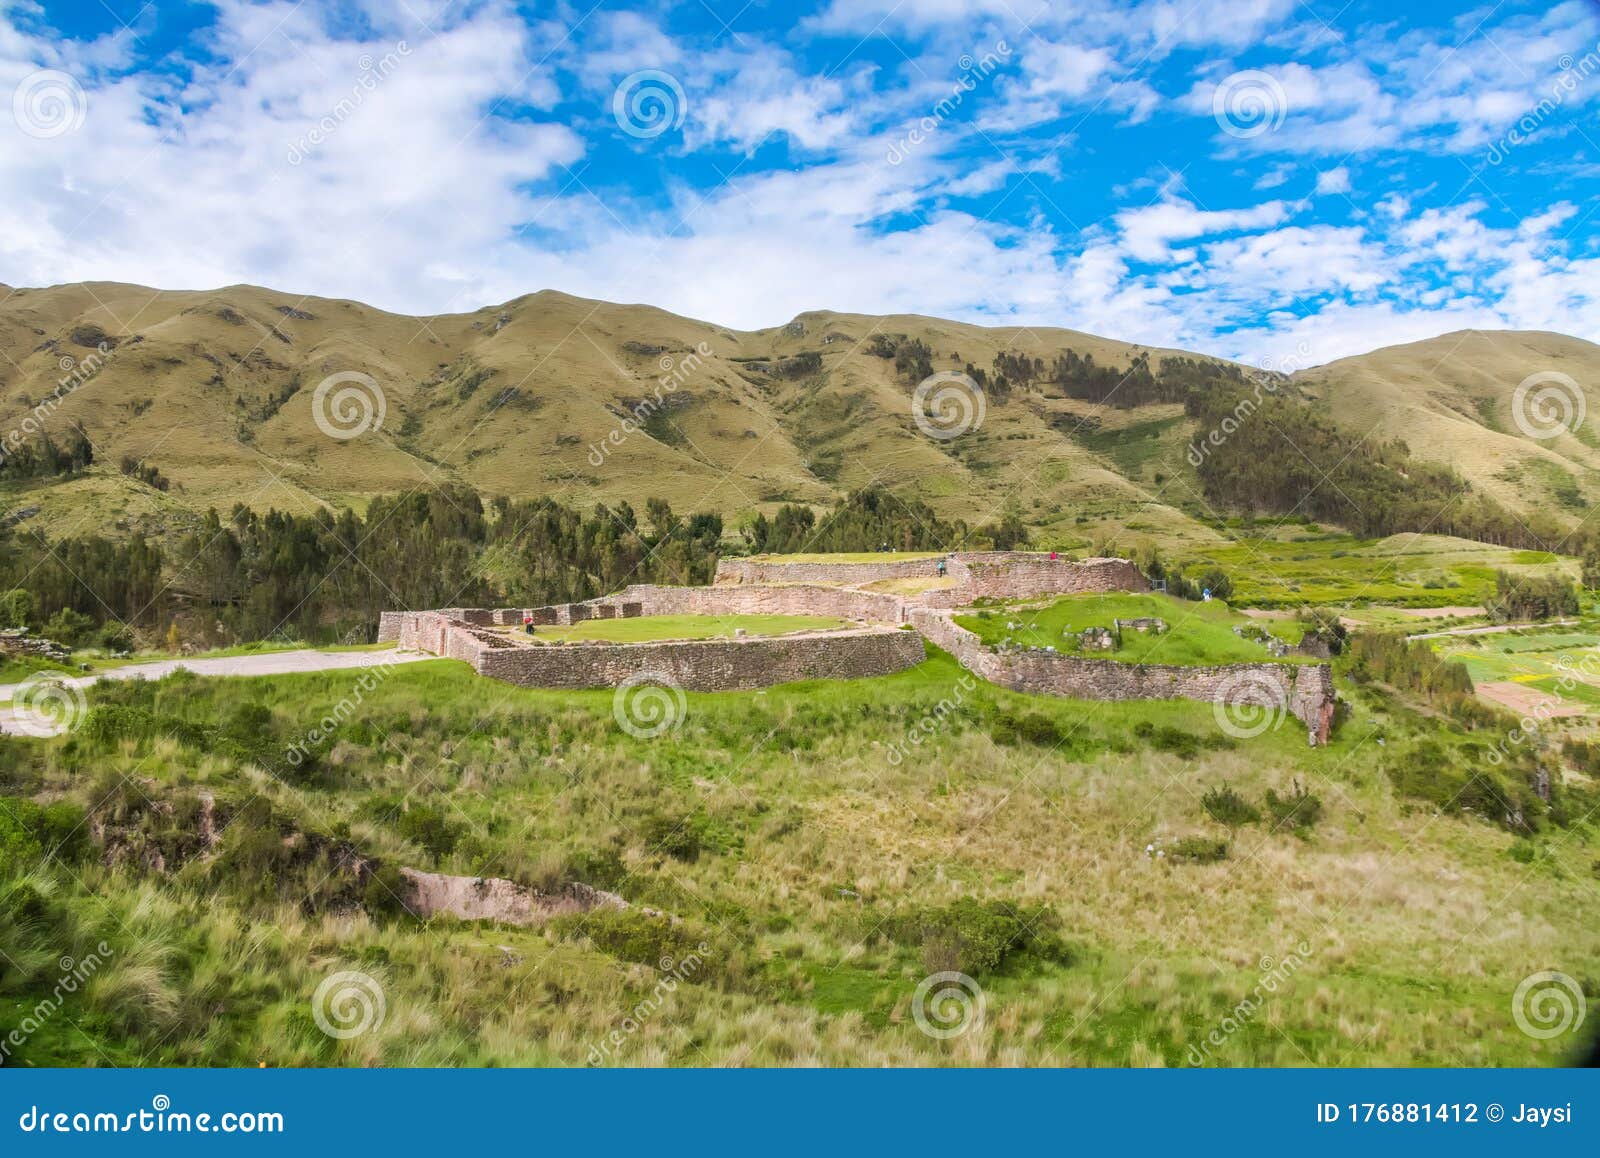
x=649 y=628
x=1539 y=657
x=803 y=826
x=1401 y=571
x=1197 y=633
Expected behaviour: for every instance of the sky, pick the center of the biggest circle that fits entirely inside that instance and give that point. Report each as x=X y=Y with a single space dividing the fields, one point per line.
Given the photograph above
x=1284 y=182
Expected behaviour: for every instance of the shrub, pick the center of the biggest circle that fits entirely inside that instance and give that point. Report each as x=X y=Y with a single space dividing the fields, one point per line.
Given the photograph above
x=1229 y=807
x=425 y=825
x=1165 y=738
x=1452 y=781
x=112 y=636
x=684 y=836
x=973 y=936
x=1297 y=809
x=17 y=608
x=637 y=936
x=68 y=627
x=1198 y=850
x=383 y=892
x=1011 y=728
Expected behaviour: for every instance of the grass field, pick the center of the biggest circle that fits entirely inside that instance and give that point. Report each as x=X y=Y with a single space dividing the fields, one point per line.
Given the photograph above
x=802 y=857
x=1561 y=663
x=648 y=628
x=1400 y=571
x=1197 y=633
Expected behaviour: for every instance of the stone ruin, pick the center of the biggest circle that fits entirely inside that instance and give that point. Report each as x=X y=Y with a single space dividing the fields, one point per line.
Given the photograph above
x=886 y=635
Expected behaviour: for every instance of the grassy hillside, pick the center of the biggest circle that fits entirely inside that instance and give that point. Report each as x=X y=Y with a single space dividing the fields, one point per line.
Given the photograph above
x=815 y=863
x=216 y=390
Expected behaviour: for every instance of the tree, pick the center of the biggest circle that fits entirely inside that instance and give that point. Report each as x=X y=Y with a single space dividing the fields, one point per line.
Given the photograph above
x=17 y=608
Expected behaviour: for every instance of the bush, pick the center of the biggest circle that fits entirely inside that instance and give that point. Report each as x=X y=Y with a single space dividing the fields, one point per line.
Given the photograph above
x=1198 y=850
x=382 y=896
x=1012 y=728
x=17 y=608
x=1297 y=809
x=69 y=628
x=1165 y=738
x=425 y=825
x=1229 y=807
x=637 y=936
x=112 y=636
x=30 y=832
x=1452 y=781
x=684 y=836
x=972 y=936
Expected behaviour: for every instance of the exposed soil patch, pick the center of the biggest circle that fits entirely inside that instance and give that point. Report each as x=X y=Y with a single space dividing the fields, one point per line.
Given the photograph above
x=496 y=899
x=1527 y=700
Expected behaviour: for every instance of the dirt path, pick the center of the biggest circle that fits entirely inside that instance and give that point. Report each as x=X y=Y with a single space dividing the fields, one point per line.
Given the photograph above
x=258 y=664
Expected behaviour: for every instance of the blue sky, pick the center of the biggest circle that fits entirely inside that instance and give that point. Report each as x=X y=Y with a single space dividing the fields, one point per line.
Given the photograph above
x=1282 y=181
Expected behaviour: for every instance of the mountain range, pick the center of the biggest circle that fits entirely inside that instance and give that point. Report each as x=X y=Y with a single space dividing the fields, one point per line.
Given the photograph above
x=218 y=396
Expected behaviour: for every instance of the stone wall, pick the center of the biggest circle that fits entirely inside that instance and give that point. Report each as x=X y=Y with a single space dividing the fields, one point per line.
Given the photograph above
x=1024 y=575
x=706 y=665
x=1304 y=690
x=709 y=665
x=795 y=599
x=977 y=575
x=753 y=587
x=735 y=571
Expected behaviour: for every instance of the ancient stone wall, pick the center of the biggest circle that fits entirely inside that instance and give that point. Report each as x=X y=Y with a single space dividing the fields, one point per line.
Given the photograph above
x=1304 y=690
x=735 y=571
x=795 y=599
x=710 y=665
x=1022 y=576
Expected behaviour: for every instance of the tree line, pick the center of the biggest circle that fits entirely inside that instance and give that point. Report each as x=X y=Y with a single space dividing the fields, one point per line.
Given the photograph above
x=1277 y=456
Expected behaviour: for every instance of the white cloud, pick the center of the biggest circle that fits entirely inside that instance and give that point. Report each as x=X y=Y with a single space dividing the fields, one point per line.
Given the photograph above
x=1146 y=232
x=1334 y=180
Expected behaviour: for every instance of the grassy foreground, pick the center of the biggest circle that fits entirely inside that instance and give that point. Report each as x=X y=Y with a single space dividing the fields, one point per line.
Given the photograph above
x=821 y=849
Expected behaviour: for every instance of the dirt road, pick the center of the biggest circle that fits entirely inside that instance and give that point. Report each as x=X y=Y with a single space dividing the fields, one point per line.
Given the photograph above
x=20 y=720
